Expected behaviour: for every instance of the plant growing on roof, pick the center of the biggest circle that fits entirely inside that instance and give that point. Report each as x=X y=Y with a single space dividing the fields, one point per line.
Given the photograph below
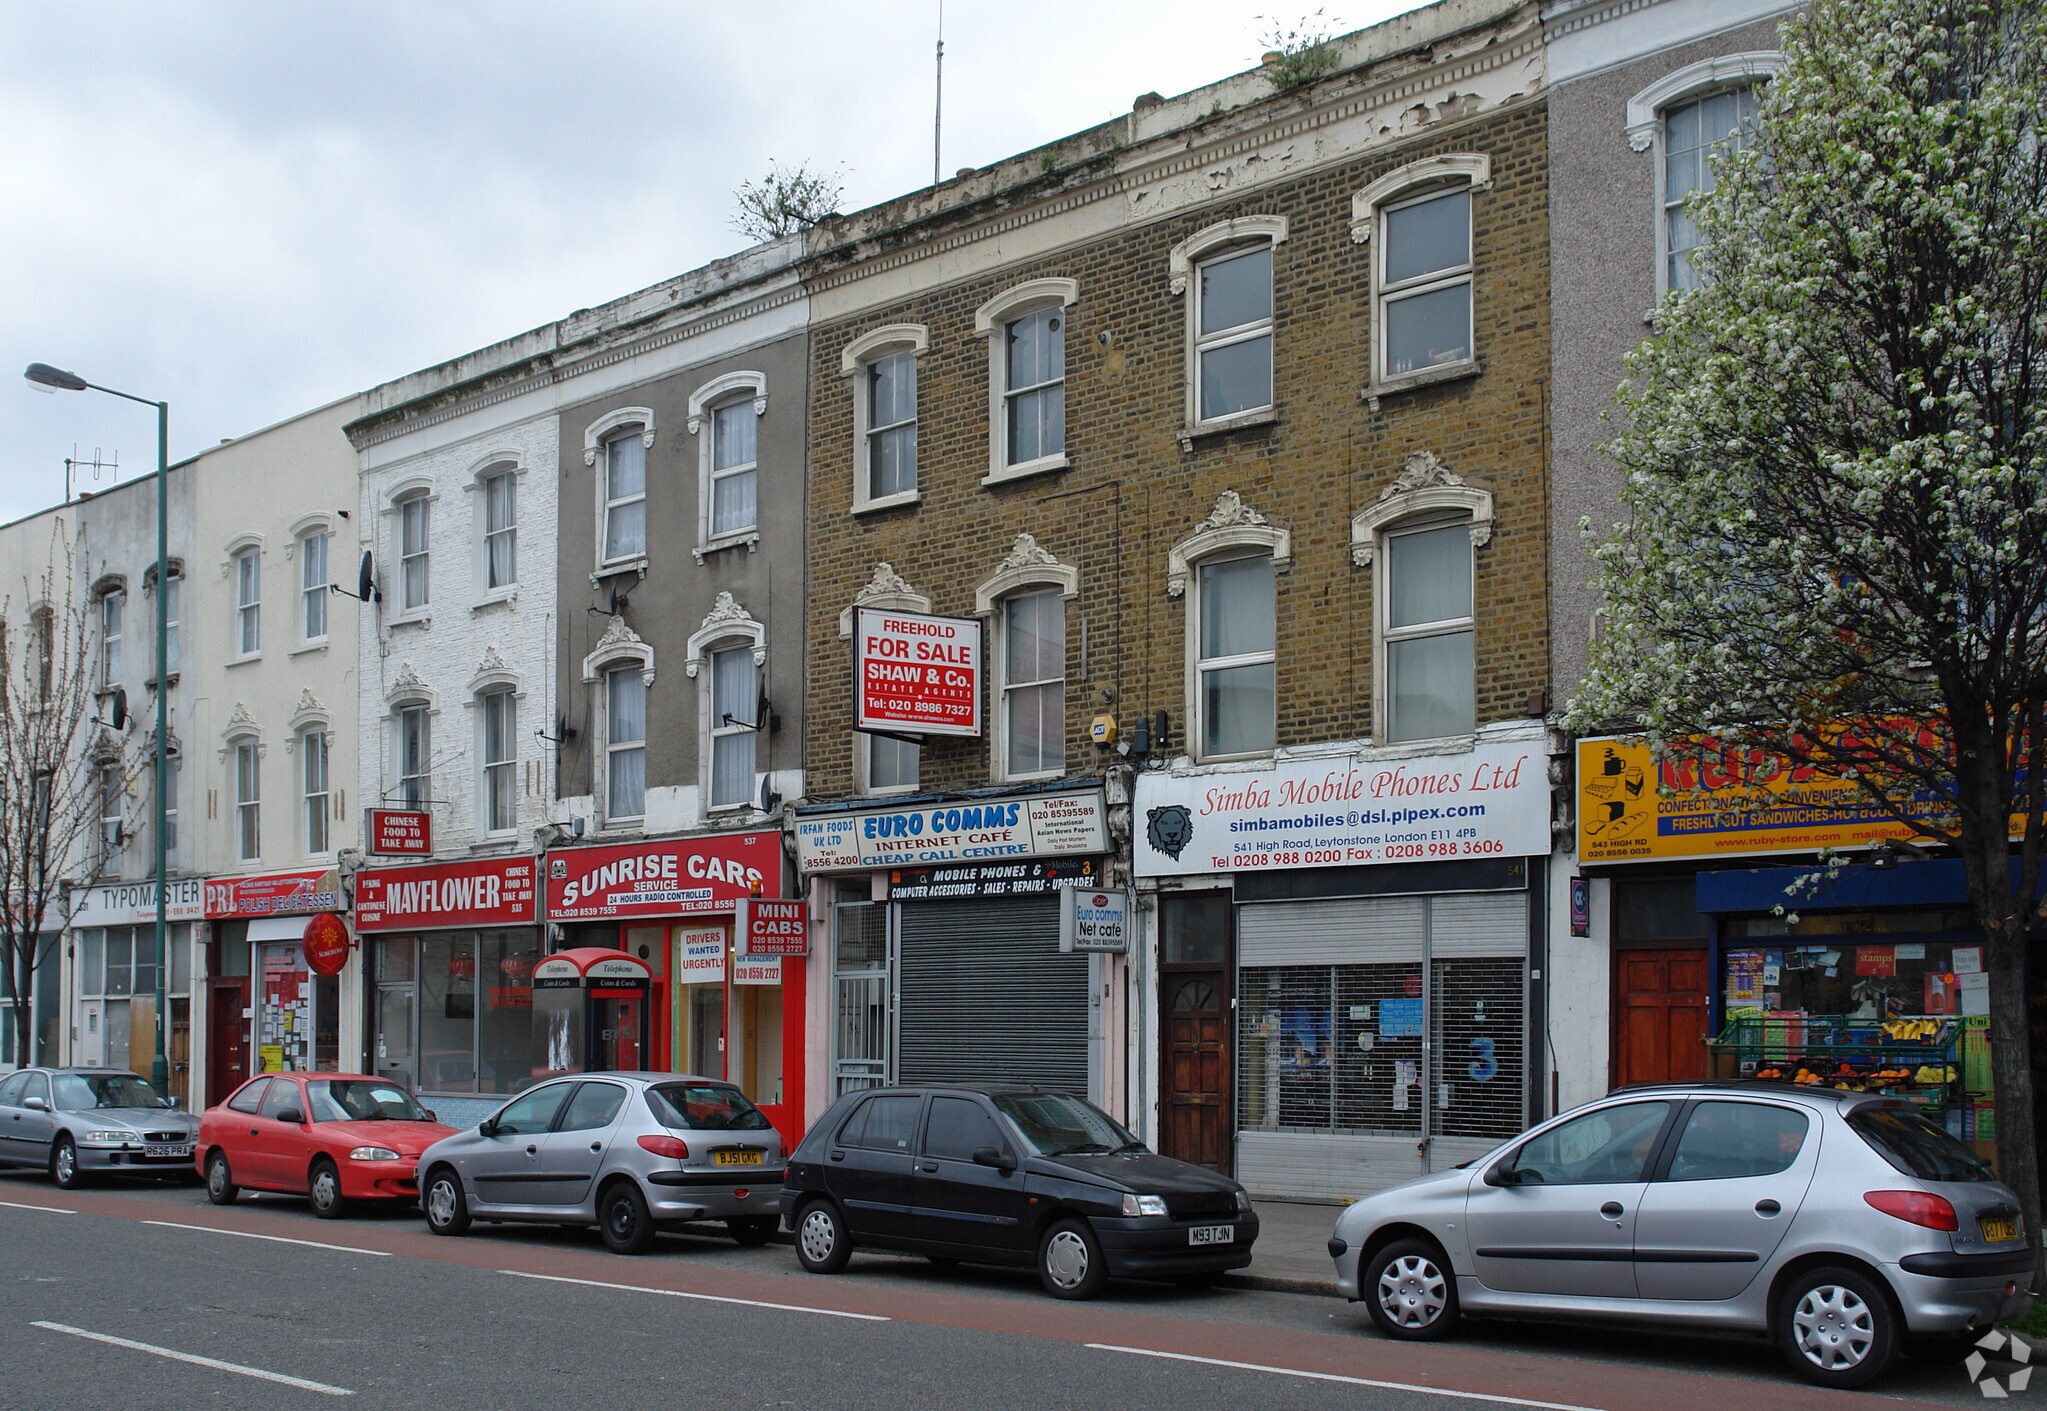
x=785 y=201
x=1300 y=54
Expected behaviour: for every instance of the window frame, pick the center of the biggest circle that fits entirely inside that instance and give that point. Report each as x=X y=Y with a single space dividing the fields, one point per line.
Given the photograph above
x=111 y=610
x=1200 y=666
x=722 y=394
x=248 y=796
x=404 y=506
x=1412 y=184
x=856 y=363
x=246 y=570
x=598 y=436
x=613 y=748
x=1210 y=245
x=505 y=474
x=491 y=698
x=174 y=767
x=415 y=787
x=171 y=603
x=992 y=322
x=311 y=593
x=111 y=789
x=313 y=744
x=726 y=627
x=729 y=653
x=1386 y=636
x=1232 y=530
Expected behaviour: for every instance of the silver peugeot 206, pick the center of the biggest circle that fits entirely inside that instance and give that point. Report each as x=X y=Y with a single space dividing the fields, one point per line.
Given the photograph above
x=1844 y=1226
x=626 y=1152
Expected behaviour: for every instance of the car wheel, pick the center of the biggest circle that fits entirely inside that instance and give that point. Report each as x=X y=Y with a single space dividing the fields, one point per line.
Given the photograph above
x=821 y=1243
x=622 y=1218
x=64 y=1164
x=1070 y=1263
x=1411 y=1291
x=220 y=1182
x=1836 y=1327
x=753 y=1231
x=447 y=1213
x=323 y=1189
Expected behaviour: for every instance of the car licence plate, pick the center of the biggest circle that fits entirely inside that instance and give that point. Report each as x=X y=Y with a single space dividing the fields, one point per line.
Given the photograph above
x=166 y=1149
x=736 y=1158
x=1999 y=1229
x=1212 y=1234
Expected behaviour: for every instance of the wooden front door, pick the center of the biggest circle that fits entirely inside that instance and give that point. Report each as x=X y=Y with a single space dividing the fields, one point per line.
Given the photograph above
x=1197 y=1124
x=227 y=1038
x=1660 y=1016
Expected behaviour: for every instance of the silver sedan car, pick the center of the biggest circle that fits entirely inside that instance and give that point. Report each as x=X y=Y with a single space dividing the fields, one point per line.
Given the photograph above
x=1844 y=1226
x=79 y=1122
x=626 y=1152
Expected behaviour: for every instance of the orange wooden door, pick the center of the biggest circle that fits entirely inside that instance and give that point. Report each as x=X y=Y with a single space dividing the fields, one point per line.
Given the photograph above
x=1660 y=1009
x=1197 y=1118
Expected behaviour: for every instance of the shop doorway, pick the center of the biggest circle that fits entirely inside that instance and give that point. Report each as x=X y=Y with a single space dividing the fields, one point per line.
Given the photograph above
x=1195 y=965
x=1660 y=982
x=227 y=1036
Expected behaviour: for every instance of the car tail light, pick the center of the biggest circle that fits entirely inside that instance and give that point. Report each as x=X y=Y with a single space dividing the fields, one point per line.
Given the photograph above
x=1915 y=1208
x=678 y=1149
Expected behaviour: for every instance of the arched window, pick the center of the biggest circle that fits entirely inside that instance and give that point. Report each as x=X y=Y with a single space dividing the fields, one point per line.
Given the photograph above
x=1230 y=563
x=882 y=366
x=620 y=440
x=1687 y=119
x=724 y=416
x=1025 y=602
x=1418 y=220
x=1025 y=327
x=621 y=671
x=1226 y=270
x=726 y=656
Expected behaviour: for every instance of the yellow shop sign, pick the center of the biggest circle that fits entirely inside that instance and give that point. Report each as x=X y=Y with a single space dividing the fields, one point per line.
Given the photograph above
x=1711 y=801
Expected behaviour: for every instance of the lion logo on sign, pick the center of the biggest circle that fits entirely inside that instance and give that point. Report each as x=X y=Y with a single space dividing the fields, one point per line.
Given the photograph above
x=1169 y=829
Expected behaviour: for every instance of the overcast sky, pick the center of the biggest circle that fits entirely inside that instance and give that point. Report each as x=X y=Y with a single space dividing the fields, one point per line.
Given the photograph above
x=250 y=208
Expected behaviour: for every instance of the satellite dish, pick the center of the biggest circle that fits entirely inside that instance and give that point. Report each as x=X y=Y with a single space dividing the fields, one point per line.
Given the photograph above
x=365 y=579
x=117 y=712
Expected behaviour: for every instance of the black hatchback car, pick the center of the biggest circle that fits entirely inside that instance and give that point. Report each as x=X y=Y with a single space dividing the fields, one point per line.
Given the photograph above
x=1017 y=1176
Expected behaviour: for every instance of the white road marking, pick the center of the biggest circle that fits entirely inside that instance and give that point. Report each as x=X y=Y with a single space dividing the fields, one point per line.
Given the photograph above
x=46 y=1209
x=197 y=1361
x=705 y=1297
x=1347 y=1381
x=274 y=1239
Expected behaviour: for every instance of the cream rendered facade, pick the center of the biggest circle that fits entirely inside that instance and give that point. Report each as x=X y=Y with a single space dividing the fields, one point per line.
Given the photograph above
x=270 y=658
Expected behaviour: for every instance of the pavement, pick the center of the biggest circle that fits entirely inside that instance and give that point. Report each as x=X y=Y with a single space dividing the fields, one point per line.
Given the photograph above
x=1292 y=1253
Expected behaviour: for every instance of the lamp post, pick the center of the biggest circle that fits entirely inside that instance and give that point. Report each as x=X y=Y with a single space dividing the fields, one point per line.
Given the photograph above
x=56 y=379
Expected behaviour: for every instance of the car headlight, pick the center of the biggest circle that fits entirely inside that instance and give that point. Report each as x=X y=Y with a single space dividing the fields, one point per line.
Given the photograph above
x=109 y=1136
x=1243 y=1199
x=1144 y=1205
x=372 y=1153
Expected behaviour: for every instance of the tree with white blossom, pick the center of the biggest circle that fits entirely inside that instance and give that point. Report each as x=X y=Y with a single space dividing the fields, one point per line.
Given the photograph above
x=1835 y=550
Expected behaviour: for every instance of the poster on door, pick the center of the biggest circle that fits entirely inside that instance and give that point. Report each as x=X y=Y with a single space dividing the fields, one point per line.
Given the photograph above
x=285 y=1021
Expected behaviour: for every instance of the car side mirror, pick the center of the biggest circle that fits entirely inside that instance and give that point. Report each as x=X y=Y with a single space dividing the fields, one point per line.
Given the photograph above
x=174 y=1102
x=292 y=1116
x=428 y=1112
x=35 y=1104
x=1502 y=1173
x=994 y=1156
x=488 y=1127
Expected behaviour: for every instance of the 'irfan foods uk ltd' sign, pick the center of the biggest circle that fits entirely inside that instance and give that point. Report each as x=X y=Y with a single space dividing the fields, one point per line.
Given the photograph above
x=977 y=830
x=914 y=674
x=1490 y=801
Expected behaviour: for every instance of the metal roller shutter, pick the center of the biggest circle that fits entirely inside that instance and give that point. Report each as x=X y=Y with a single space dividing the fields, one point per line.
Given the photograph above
x=987 y=997
x=1331 y=932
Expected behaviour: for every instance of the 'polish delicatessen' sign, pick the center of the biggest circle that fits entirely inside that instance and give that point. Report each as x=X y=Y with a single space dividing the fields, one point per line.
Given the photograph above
x=1492 y=801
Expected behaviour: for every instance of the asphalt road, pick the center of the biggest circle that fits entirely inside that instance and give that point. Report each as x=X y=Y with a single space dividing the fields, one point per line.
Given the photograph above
x=374 y=1311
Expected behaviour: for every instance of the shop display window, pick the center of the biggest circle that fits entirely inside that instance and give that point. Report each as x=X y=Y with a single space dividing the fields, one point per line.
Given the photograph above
x=454 y=1010
x=1853 y=965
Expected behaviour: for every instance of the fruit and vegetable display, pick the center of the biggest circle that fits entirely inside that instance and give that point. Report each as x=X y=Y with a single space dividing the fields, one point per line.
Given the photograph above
x=1905 y=1056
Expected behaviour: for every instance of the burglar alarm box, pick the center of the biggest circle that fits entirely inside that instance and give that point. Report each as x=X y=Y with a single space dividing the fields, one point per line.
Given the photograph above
x=590 y=1012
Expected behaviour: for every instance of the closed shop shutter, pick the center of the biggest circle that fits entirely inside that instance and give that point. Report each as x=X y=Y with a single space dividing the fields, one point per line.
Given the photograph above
x=987 y=997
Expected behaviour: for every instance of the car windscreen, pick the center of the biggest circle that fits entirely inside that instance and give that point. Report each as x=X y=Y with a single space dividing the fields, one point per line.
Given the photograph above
x=361 y=1100
x=1057 y=1124
x=1917 y=1147
x=82 y=1092
x=704 y=1107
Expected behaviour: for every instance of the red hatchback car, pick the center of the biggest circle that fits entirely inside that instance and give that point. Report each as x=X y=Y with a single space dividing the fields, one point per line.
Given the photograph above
x=335 y=1136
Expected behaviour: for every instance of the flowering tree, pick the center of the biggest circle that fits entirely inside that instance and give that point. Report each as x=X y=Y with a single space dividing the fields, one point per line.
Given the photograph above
x=1836 y=554
x=56 y=763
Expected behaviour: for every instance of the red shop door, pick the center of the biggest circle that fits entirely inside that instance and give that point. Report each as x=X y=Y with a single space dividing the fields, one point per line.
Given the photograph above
x=1660 y=1023
x=227 y=1038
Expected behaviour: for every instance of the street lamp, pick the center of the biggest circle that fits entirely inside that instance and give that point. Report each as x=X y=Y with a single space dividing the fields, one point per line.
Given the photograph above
x=57 y=380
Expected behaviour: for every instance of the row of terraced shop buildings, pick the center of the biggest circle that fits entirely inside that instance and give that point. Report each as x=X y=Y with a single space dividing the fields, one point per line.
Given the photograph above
x=1184 y=511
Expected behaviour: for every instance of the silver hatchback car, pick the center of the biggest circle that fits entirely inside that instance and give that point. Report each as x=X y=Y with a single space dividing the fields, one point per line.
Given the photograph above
x=626 y=1152
x=1844 y=1226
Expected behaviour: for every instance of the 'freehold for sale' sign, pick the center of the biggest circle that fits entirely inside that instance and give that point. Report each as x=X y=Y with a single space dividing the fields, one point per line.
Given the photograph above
x=1489 y=801
x=916 y=674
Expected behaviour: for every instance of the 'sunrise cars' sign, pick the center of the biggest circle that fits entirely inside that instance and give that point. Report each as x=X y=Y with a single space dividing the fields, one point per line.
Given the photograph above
x=916 y=674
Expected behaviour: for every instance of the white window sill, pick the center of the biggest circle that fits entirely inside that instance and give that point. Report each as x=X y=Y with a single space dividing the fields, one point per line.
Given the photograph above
x=1043 y=465
x=1435 y=744
x=636 y=564
x=413 y=619
x=1264 y=756
x=902 y=791
x=888 y=502
x=1037 y=778
x=1259 y=416
x=319 y=646
x=751 y=538
x=1421 y=377
x=497 y=842
x=497 y=597
x=244 y=661
x=621 y=827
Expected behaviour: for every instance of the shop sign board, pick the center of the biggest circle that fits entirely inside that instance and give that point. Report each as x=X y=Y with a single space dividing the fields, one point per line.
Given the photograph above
x=494 y=891
x=134 y=903
x=916 y=674
x=757 y=970
x=668 y=877
x=1489 y=801
x=773 y=927
x=1704 y=800
x=273 y=894
x=702 y=959
x=326 y=944
x=1040 y=877
x=401 y=832
x=1094 y=919
x=975 y=830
